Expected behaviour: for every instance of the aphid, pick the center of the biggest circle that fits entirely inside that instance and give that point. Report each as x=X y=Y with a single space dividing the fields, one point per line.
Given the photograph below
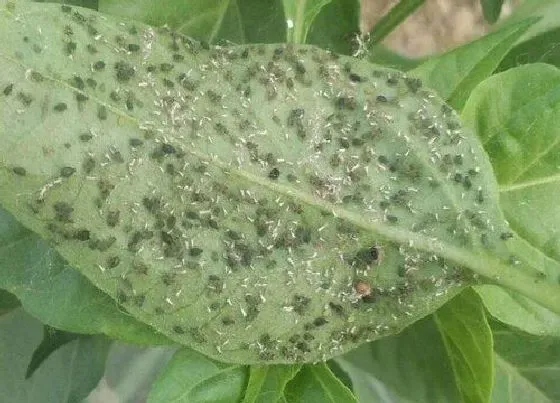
x=362 y=288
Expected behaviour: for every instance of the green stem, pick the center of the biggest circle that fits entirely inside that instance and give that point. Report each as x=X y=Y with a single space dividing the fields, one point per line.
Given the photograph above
x=392 y=19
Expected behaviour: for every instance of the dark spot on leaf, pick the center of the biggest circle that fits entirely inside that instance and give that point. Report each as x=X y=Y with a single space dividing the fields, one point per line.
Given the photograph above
x=124 y=71
x=19 y=171
x=99 y=65
x=66 y=172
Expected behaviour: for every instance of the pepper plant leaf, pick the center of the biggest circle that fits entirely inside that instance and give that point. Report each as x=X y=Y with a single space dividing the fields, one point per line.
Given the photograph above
x=257 y=203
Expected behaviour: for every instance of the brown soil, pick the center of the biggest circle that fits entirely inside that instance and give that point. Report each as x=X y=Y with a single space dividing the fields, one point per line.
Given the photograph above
x=436 y=26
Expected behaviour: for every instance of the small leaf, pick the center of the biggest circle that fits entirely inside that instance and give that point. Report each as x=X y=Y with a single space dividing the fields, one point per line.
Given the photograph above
x=300 y=16
x=256 y=21
x=337 y=27
x=468 y=340
x=191 y=377
x=468 y=65
x=267 y=383
x=515 y=113
x=527 y=367
x=53 y=339
x=58 y=295
x=491 y=9
x=261 y=203
x=68 y=375
x=412 y=366
x=316 y=383
x=8 y=301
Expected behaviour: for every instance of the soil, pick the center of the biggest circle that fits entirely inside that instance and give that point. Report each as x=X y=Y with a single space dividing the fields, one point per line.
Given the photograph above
x=436 y=26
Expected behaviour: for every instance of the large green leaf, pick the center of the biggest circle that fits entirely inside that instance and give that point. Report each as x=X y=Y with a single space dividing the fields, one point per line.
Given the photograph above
x=267 y=382
x=517 y=116
x=411 y=367
x=238 y=21
x=67 y=376
x=527 y=367
x=257 y=203
x=190 y=377
x=58 y=295
x=468 y=339
x=316 y=383
x=456 y=73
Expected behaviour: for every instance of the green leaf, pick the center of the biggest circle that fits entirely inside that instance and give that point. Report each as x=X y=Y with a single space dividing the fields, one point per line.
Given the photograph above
x=527 y=368
x=68 y=375
x=257 y=21
x=299 y=17
x=380 y=54
x=8 y=301
x=58 y=295
x=267 y=383
x=491 y=9
x=411 y=367
x=241 y=199
x=93 y=4
x=468 y=341
x=542 y=48
x=516 y=115
x=337 y=27
x=193 y=378
x=53 y=339
x=316 y=383
x=456 y=73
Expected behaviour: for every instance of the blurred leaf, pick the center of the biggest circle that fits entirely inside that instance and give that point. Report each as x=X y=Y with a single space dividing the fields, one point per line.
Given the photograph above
x=267 y=383
x=516 y=114
x=340 y=373
x=316 y=383
x=491 y=9
x=542 y=48
x=456 y=73
x=468 y=340
x=395 y=17
x=190 y=377
x=67 y=376
x=411 y=367
x=53 y=339
x=57 y=294
x=93 y=4
x=337 y=27
x=380 y=54
x=299 y=17
x=253 y=21
x=527 y=368
x=8 y=301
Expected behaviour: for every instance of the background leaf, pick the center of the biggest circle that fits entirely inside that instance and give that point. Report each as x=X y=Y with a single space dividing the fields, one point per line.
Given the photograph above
x=57 y=294
x=316 y=383
x=68 y=375
x=517 y=116
x=8 y=301
x=256 y=21
x=340 y=36
x=193 y=378
x=412 y=366
x=299 y=17
x=527 y=367
x=267 y=383
x=468 y=341
x=53 y=339
x=468 y=65
x=540 y=42
x=491 y=9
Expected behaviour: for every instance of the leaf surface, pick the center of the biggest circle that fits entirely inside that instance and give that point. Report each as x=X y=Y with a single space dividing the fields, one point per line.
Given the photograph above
x=267 y=383
x=256 y=203
x=193 y=378
x=468 y=340
x=68 y=375
x=457 y=72
x=517 y=116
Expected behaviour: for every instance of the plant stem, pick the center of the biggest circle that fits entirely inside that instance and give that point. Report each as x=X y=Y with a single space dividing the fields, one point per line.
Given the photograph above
x=392 y=19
